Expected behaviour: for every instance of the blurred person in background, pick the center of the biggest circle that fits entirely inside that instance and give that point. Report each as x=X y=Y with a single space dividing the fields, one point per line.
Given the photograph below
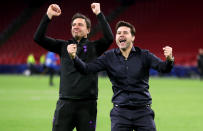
x=42 y=63
x=200 y=63
x=31 y=65
x=50 y=65
x=77 y=104
x=128 y=69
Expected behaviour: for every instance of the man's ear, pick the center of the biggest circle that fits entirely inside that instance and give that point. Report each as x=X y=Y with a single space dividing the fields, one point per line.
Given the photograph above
x=133 y=39
x=88 y=31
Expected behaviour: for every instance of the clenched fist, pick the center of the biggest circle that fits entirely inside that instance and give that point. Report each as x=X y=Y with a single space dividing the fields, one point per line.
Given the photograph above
x=168 y=53
x=53 y=10
x=72 y=49
x=96 y=8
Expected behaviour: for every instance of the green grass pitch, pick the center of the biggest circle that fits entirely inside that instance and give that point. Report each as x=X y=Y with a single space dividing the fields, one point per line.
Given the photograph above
x=28 y=103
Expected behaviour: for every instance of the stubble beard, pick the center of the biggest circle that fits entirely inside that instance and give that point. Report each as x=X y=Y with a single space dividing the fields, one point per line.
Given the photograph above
x=77 y=38
x=126 y=47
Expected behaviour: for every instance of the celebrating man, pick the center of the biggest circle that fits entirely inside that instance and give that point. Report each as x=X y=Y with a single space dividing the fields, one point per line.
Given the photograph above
x=77 y=104
x=128 y=69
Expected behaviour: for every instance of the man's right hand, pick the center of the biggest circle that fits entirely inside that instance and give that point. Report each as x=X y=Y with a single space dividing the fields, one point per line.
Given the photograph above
x=53 y=10
x=72 y=49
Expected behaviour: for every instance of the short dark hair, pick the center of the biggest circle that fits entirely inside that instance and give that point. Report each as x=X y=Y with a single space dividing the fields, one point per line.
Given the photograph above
x=127 y=24
x=79 y=15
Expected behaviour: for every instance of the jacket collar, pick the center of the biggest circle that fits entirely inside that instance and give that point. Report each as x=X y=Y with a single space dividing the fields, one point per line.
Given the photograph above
x=133 y=50
x=82 y=41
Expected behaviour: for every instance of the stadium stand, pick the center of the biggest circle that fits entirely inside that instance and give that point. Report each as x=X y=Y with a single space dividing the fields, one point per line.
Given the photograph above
x=158 y=23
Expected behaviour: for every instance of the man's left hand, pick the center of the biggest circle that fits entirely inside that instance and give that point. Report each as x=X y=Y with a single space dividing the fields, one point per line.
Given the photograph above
x=96 y=8
x=168 y=53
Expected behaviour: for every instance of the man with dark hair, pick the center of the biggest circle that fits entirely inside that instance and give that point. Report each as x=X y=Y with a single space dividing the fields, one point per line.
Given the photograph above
x=79 y=15
x=126 y=24
x=128 y=69
x=77 y=104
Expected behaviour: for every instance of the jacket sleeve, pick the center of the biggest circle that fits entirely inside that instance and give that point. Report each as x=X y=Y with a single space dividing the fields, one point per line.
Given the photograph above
x=93 y=67
x=48 y=43
x=159 y=65
x=103 y=43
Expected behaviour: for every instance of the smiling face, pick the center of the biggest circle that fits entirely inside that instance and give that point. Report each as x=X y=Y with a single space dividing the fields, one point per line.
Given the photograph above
x=79 y=29
x=124 y=38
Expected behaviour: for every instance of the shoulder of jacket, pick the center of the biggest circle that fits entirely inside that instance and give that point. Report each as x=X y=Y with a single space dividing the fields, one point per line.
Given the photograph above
x=109 y=52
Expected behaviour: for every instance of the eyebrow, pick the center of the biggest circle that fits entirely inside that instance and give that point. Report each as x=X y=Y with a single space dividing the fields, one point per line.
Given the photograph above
x=123 y=31
x=77 y=23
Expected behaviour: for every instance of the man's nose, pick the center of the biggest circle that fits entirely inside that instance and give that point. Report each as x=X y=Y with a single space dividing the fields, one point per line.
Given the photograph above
x=76 y=26
x=121 y=34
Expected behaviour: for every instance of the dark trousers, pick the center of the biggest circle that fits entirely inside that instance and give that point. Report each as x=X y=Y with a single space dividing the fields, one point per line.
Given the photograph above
x=75 y=113
x=201 y=75
x=132 y=119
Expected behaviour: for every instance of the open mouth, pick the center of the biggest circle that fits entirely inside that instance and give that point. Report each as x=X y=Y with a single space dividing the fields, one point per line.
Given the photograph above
x=76 y=31
x=122 y=41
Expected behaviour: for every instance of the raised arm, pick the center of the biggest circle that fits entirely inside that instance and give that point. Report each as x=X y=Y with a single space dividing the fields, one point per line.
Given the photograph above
x=39 y=36
x=103 y=43
x=159 y=65
x=86 y=68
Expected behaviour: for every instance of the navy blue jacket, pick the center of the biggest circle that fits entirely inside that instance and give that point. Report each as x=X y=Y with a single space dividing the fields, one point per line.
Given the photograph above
x=129 y=77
